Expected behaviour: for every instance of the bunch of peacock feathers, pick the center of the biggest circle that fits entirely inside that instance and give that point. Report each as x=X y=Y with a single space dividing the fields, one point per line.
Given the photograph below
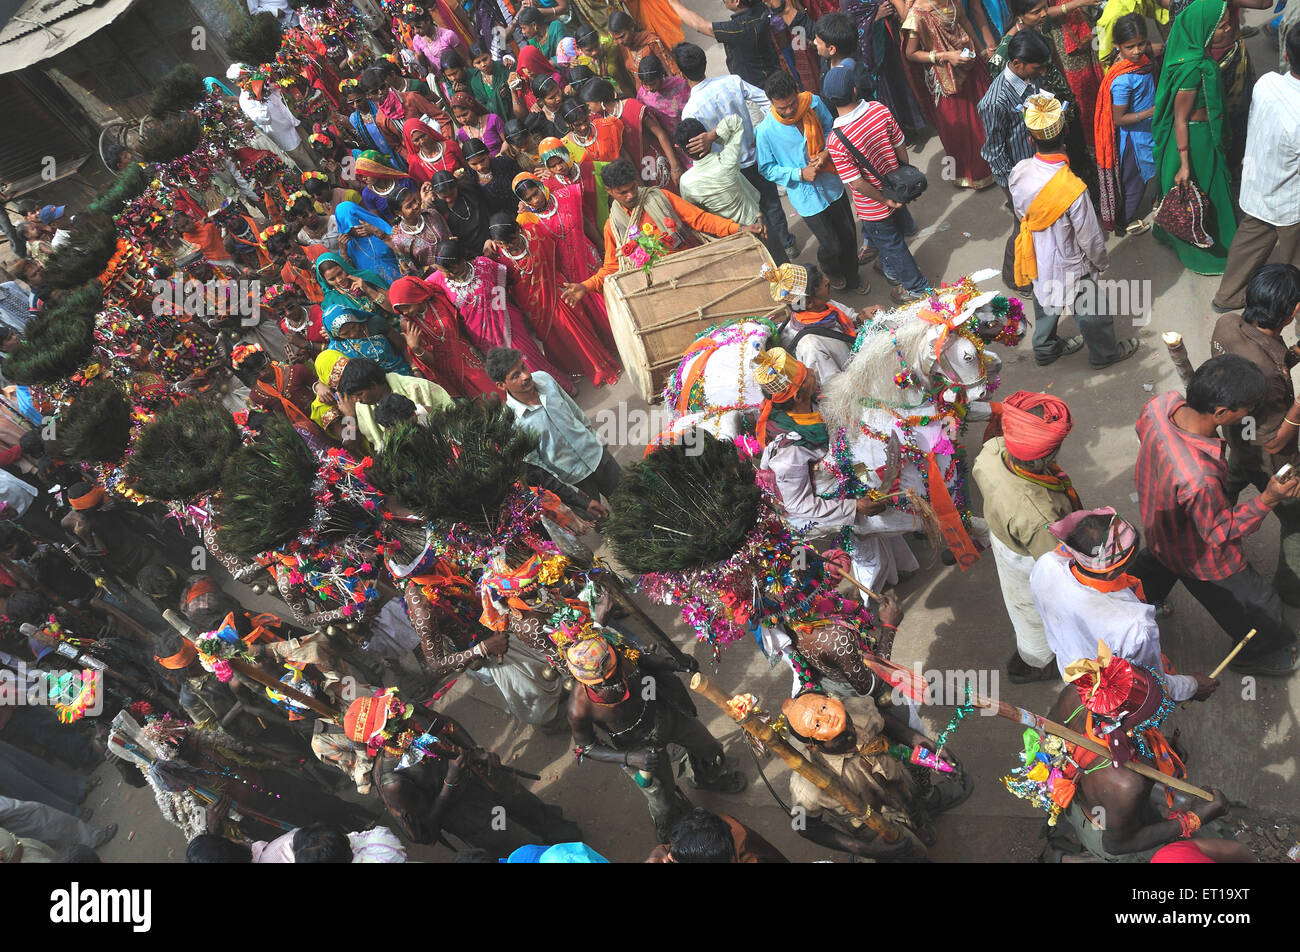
x=92 y=242
x=96 y=426
x=169 y=138
x=459 y=468
x=683 y=507
x=181 y=454
x=128 y=186
x=57 y=343
x=255 y=41
x=266 y=494
x=179 y=91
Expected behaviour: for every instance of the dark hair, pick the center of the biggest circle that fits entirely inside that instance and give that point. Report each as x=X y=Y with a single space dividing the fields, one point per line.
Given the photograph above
x=157 y=581
x=528 y=16
x=780 y=85
x=702 y=837
x=619 y=173
x=32 y=444
x=690 y=60
x=169 y=643
x=1293 y=49
x=27 y=606
x=359 y=374
x=322 y=842
x=210 y=848
x=372 y=79
x=585 y=35
x=316 y=187
x=620 y=21
x=1131 y=26
x=650 y=65
x=451 y=59
x=545 y=84
x=477 y=50
x=394 y=409
x=837 y=30
x=499 y=361
x=572 y=107
x=687 y=130
x=1089 y=534
x=1020 y=7
x=1048 y=146
x=815 y=276
x=1228 y=380
x=598 y=90
x=1028 y=46
x=1272 y=296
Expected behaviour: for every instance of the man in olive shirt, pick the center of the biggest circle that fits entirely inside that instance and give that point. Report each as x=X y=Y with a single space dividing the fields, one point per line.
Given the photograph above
x=1266 y=439
x=1024 y=493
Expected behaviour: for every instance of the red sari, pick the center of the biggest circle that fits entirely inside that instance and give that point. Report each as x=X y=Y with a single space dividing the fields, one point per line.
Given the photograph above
x=568 y=337
x=290 y=394
x=449 y=361
x=422 y=169
x=639 y=143
x=576 y=258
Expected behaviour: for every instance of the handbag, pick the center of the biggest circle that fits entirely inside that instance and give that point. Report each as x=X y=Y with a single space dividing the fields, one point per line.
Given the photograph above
x=904 y=184
x=1182 y=214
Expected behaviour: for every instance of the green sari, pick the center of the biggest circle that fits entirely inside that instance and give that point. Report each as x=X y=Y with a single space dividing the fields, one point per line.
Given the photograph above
x=495 y=98
x=1188 y=66
x=336 y=303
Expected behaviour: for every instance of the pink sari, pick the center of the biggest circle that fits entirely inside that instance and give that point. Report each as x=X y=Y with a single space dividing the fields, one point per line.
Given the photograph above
x=667 y=104
x=577 y=258
x=489 y=326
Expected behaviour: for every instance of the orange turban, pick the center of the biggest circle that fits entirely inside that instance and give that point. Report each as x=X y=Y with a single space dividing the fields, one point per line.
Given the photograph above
x=1028 y=436
x=89 y=499
x=180 y=659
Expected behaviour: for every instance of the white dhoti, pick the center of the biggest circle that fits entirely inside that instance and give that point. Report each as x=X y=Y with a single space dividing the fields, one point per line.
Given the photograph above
x=533 y=690
x=879 y=557
x=1013 y=576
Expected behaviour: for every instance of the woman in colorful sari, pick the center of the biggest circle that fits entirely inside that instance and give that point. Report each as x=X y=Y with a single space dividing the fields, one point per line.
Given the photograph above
x=417 y=233
x=530 y=255
x=452 y=76
x=533 y=64
x=948 y=84
x=568 y=163
x=488 y=314
x=489 y=82
x=603 y=57
x=475 y=122
x=645 y=141
x=658 y=18
x=354 y=313
x=429 y=151
x=1191 y=127
x=325 y=412
x=382 y=183
x=371 y=127
x=560 y=215
x=438 y=348
x=635 y=44
x=663 y=95
x=366 y=239
x=791 y=25
x=880 y=48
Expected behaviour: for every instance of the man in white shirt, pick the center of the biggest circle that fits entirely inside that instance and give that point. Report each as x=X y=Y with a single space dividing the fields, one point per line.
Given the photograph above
x=712 y=100
x=1270 y=182
x=1084 y=595
x=1060 y=247
x=273 y=117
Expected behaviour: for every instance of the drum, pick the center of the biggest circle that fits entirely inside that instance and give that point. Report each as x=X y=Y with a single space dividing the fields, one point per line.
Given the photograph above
x=655 y=319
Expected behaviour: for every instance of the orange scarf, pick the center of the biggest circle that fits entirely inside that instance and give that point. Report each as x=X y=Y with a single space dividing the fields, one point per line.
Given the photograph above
x=812 y=126
x=1104 y=121
x=1116 y=584
x=813 y=318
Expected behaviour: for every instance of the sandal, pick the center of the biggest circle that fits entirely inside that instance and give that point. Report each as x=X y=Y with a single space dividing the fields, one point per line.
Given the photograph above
x=900 y=295
x=837 y=284
x=868 y=254
x=1067 y=347
x=1276 y=663
x=864 y=287
x=1127 y=348
x=731 y=783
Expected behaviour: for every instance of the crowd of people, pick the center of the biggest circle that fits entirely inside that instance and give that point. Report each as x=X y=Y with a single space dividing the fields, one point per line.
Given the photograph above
x=321 y=339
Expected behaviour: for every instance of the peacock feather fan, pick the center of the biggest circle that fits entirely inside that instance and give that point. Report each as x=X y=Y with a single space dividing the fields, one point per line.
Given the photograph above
x=92 y=242
x=458 y=468
x=255 y=41
x=266 y=496
x=57 y=344
x=96 y=426
x=171 y=137
x=129 y=185
x=181 y=454
x=179 y=91
x=683 y=507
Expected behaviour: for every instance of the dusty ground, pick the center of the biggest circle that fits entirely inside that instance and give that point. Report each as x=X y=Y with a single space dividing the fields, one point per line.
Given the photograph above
x=1243 y=740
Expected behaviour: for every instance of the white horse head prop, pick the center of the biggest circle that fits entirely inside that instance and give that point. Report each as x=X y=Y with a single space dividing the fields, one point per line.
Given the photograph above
x=714 y=386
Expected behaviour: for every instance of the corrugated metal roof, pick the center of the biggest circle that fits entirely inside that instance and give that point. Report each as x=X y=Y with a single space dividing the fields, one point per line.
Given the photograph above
x=40 y=15
x=44 y=28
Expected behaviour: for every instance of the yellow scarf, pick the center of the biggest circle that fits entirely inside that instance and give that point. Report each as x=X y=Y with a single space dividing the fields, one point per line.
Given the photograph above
x=1048 y=205
x=812 y=126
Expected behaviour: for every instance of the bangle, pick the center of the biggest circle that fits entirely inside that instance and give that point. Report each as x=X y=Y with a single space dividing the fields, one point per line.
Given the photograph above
x=1287 y=419
x=932 y=59
x=1182 y=148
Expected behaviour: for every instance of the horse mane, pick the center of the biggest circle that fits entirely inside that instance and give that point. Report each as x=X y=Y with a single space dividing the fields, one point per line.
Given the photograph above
x=871 y=369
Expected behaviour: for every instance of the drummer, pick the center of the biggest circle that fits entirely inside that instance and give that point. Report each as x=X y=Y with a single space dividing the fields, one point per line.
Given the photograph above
x=675 y=221
x=820 y=333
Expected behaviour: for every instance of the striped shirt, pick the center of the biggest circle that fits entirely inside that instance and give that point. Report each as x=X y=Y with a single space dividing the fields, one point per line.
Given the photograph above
x=1006 y=140
x=874 y=132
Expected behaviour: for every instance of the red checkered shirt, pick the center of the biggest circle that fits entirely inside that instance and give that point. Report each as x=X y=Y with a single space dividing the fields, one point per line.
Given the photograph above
x=1190 y=523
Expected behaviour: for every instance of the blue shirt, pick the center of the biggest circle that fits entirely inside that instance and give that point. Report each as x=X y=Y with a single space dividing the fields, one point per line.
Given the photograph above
x=1137 y=91
x=782 y=156
x=569 y=446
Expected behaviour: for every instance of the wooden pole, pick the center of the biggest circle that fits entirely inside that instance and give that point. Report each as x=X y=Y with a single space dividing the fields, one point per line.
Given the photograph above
x=824 y=780
x=848 y=576
x=1040 y=723
x=1232 y=654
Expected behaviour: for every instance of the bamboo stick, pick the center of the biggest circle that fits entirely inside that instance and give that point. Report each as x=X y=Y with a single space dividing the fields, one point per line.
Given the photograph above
x=1038 y=722
x=1232 y=654
x=823 y=779
x=623 y=598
